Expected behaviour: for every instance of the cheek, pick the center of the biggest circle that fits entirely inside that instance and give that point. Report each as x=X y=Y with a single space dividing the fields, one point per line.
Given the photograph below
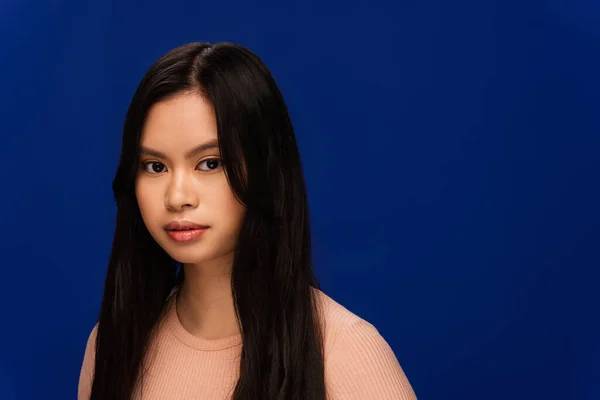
x=237 y=213
x=231 y=209
x=145 y=202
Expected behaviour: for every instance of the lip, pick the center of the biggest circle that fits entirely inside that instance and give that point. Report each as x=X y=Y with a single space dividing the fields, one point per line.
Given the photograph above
x=183 y=225
x=186 y=235
x=185 y=231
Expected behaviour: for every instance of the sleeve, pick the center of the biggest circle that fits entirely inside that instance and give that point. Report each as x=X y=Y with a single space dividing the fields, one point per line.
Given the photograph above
x=361 y=365
x=86 y=374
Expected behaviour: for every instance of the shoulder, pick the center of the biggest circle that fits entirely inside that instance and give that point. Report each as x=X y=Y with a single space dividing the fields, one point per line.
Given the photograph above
x=90 y=346
x=86 y=373
x=359 y=363
x=336 y=319
x=343 y=327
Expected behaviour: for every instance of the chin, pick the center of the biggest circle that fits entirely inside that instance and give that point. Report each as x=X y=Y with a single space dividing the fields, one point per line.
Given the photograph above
x=214 y=259
x=186 y=256
x=191 y=255
x=189 y=260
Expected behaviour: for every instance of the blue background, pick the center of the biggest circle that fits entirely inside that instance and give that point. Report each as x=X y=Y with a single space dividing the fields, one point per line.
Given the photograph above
x=451 y=155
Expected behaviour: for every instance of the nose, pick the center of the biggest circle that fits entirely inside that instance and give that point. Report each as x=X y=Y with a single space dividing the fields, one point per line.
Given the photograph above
x=181 y=194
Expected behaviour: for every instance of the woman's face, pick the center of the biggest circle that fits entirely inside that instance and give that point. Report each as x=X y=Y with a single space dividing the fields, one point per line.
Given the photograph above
x=181 y=181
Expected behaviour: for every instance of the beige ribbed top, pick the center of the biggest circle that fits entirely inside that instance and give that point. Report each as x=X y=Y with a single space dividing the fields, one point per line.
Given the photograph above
x=359 y=363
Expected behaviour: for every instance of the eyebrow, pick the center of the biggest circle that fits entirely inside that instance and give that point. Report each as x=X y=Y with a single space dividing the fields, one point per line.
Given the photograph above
x=211 y=144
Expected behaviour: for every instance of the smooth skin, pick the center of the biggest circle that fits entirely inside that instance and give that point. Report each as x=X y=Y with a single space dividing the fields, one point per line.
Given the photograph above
x=181 y=178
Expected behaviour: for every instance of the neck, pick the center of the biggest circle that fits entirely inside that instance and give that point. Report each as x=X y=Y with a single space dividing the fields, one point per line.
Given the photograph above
x=205 y=302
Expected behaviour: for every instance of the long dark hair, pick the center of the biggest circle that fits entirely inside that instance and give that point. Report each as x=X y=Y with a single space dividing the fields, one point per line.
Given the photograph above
x=272 y=279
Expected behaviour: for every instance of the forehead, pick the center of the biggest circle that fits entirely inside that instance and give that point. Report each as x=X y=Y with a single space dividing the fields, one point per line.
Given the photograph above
x=180 y=120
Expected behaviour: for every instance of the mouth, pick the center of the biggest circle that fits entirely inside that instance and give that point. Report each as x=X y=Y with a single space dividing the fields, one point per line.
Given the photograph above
x=185 y=231
x=183 y=226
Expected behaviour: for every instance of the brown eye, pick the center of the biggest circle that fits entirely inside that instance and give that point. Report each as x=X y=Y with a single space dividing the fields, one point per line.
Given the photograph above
x=211 y=164
x=153 y=167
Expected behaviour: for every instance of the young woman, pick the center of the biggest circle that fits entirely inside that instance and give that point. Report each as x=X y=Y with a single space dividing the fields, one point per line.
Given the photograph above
x=210 y=292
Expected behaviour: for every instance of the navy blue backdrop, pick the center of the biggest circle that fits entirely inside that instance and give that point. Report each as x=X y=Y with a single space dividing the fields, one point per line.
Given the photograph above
x=451 y=155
